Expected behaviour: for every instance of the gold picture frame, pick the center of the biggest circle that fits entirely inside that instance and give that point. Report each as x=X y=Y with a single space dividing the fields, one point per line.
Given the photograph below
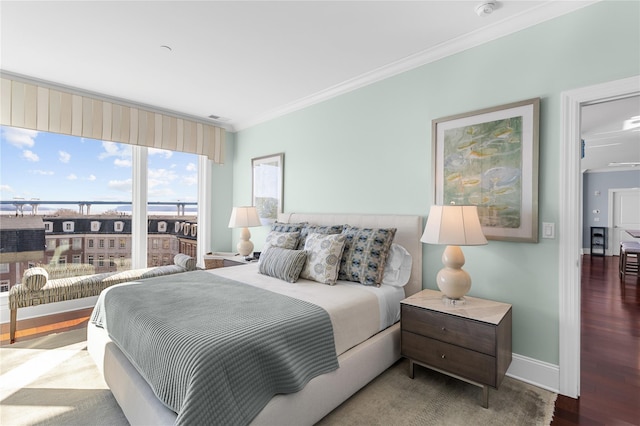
x=489 y=158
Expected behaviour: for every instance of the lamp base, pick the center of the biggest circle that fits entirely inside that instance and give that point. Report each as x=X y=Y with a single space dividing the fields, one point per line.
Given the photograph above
x=453 y=281
x=245 y=246
x=453 y=302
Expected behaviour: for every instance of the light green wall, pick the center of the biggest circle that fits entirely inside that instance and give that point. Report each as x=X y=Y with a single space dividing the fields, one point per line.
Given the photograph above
x=370 y=150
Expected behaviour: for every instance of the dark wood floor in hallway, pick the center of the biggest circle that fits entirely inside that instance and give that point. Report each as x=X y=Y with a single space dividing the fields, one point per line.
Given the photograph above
x=610 y=349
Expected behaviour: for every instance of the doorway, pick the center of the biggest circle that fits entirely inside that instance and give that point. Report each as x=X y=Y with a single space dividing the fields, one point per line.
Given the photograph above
x=570 y=237
x=624 y=213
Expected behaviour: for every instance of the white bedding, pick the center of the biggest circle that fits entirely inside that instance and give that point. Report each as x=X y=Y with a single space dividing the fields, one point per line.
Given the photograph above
x=357 y=312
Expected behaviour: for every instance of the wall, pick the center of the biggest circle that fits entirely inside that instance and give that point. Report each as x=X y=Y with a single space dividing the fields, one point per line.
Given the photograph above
x=370 y=150
x=602 y=182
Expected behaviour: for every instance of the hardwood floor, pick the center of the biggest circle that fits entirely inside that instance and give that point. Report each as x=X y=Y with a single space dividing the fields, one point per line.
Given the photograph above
x=610 y=352
x=610 y=349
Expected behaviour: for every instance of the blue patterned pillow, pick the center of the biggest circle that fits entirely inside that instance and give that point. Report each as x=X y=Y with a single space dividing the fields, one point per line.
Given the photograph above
x=311 y=229
x=365 y=254
x=323 y=258
x=287 y=227
x=282 y=263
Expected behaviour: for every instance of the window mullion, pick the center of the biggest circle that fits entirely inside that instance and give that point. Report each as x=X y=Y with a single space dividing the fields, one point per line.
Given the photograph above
x=139 y=207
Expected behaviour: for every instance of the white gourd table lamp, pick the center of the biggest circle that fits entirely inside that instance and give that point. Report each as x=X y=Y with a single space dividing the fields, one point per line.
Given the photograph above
x=244 y=217
x=454 y=226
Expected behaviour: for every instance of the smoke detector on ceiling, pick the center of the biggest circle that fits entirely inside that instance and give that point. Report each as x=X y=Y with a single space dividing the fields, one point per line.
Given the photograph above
x=485 y=8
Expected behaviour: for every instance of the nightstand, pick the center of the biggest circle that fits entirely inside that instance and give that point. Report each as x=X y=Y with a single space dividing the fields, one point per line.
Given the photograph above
x=471 y=342
x=222 y=260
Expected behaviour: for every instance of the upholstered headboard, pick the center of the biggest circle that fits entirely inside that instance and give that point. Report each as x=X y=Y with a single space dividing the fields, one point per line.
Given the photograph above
x=409 y=229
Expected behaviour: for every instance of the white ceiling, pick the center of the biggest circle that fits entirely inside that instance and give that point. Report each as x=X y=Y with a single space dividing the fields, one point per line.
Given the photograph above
x=244 y=61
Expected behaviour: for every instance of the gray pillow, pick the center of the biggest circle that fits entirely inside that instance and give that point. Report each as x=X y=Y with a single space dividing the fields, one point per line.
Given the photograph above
x=283 y=264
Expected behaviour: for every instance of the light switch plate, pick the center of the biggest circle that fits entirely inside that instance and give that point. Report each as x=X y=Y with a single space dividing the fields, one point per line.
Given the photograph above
x=548 y=230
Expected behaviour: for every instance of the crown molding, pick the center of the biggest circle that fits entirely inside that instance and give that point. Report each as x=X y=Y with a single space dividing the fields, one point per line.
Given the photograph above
x=544 y=12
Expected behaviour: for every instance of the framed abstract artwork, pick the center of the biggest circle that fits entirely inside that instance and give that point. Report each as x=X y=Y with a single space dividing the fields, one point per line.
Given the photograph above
x=489 y=158
x=268 y=186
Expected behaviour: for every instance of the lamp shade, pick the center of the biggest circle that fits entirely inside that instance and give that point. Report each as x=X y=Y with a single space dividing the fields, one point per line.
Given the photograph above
x=244 y=217
x=453 y=225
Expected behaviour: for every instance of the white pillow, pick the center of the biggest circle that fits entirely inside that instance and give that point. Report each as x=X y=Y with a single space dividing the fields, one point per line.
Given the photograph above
x=397 y=269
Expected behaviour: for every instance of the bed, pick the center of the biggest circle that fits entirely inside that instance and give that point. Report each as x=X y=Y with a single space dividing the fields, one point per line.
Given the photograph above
x=358 y=363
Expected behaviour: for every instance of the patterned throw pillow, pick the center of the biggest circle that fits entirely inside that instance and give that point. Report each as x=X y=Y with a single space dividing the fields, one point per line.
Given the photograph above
x=365 y=254
x=287 y=227
x=311 y=229
x=288 y=240
x=323 y=258
x=282 y=263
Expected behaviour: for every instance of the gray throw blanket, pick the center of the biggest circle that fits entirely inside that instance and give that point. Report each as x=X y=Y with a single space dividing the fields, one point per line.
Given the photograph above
x=214 y=350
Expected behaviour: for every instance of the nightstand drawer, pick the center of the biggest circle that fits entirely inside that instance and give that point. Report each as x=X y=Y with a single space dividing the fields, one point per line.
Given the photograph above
x=462 y=362
x=467 y=333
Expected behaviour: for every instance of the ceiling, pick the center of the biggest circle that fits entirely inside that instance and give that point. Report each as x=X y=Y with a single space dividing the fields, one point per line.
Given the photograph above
x=243 y=61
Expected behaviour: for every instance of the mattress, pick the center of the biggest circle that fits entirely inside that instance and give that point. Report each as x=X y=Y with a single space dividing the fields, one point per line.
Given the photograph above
x=357 y=311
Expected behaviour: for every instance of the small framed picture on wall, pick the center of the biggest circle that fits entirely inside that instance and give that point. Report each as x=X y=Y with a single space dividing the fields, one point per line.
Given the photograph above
x=268 y=186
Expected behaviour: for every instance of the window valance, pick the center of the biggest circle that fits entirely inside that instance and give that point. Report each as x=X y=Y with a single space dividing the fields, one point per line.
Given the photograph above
x=36 y=107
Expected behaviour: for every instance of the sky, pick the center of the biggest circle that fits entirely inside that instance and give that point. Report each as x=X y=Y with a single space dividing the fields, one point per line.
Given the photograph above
x=50 y=166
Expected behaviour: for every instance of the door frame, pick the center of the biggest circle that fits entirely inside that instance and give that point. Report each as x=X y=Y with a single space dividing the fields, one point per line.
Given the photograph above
x=611 y=202
x=570 y=235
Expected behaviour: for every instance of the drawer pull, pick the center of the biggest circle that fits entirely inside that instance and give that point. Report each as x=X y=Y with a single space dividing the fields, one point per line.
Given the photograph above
x=443 y=356
x=444 y=329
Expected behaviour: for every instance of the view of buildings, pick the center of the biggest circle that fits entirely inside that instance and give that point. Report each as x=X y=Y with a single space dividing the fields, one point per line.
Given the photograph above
x=66 y=204
x=70 y=244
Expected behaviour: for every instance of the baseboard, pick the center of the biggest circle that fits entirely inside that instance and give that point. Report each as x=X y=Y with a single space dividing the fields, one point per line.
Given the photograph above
x=538 y=373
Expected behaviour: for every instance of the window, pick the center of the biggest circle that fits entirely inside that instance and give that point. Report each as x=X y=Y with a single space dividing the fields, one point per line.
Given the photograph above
x=90 y=259
x=155 y=244
x=101 y=260
x=77 y=259
x=112 y=243
x=154 y=260
x=4 y=285
x=165 y=244
x=68 y=167
x=112 y=262
x=62 y=260
x=4 y=268
x=77 y=243
x=64 y=243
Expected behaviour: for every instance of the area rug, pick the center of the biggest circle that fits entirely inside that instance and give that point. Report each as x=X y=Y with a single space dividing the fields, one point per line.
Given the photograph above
x=52 y=380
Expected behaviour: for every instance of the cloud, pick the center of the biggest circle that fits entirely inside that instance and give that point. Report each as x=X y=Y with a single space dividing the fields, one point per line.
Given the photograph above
x=20 y=138
x=64 y=157
x=158 y=177
x=119 y=162
x=120 y=185
x=163 y=152
x=191 y=167
x=30 y=156
x=189 y=180
x=6 y=188
x=112 y=149
x=72 y=177
x=42 y=172
x=91 y=178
